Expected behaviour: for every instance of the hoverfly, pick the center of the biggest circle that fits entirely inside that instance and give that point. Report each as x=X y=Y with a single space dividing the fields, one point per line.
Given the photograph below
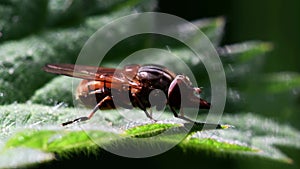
x=106 y=88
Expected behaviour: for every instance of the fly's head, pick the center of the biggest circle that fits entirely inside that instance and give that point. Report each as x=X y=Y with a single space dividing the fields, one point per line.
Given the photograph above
x=182 y=92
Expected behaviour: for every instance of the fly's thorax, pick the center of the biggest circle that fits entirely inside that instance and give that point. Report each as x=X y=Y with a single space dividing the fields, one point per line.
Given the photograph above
x=155 y=77
x=154 y=81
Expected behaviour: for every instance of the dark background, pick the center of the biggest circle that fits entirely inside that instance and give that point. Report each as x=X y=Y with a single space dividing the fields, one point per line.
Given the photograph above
x=267 y=20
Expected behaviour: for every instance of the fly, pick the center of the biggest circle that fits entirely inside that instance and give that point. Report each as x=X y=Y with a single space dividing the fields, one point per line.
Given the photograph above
x=107 y=88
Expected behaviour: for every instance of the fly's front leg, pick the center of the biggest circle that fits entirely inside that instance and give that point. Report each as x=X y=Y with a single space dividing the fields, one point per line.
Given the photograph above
x=85 y=118
x=181 y=115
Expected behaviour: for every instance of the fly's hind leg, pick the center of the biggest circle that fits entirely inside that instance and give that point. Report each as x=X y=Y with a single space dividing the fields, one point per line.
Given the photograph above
x=85 y=118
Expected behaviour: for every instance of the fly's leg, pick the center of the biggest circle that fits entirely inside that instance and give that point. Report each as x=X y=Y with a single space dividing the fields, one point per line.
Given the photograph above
x=199 y=124
x=181 y=116
x=149 y=115
x=150 y=112
x=85 y=118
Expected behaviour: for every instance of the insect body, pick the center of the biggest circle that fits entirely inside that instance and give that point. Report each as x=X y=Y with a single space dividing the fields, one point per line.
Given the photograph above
x=141 y=86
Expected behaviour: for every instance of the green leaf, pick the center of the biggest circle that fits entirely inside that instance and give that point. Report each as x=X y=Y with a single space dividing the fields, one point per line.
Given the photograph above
x=265 y=135
x=244 y=60
x=59 y=141
x=275 y=95
x=62 y=13
x=16 y=21
x=60 y=90
x=213 y=28
x=213 y=144
x=21 y=61
x=23 y=157
x=243 y=52
x=281 y=82
x=41 y=131
x=149 y=130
